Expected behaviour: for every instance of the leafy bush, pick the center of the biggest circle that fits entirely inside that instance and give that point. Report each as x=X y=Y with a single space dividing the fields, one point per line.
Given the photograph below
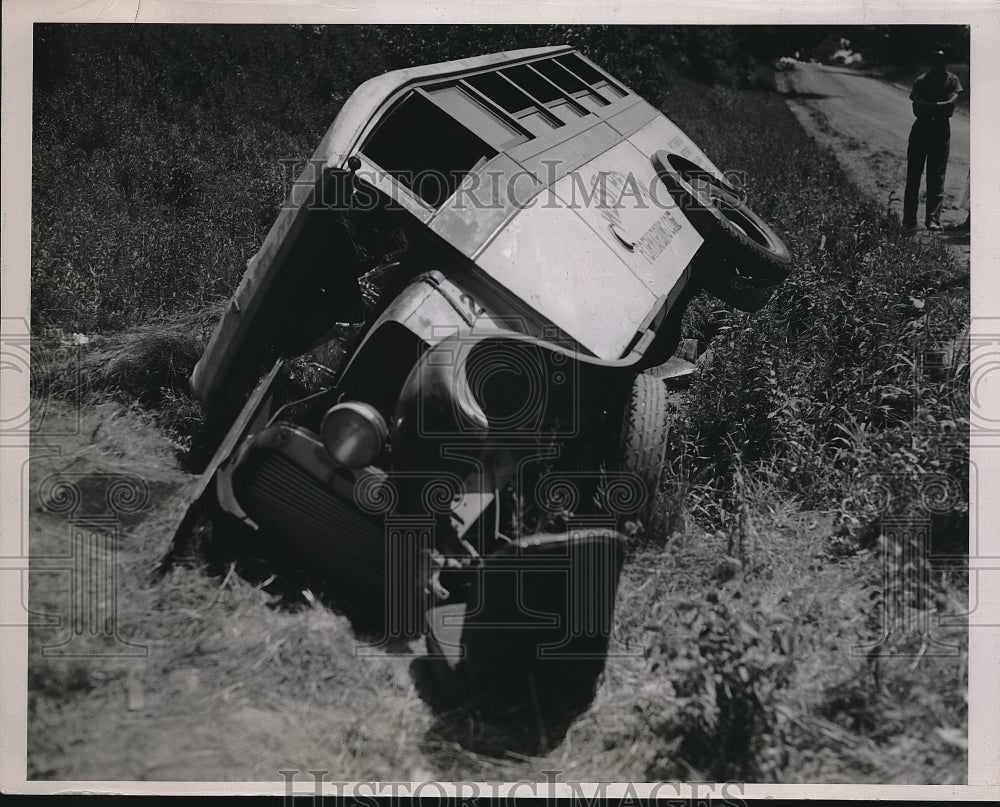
x=835 y=385
x=724 y=683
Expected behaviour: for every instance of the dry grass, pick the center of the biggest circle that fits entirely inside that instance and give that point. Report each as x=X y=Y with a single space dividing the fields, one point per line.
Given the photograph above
x=145 y=363
x=282 y=688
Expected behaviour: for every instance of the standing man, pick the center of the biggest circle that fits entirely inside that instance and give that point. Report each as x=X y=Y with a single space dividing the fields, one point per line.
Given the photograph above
x=934 y=95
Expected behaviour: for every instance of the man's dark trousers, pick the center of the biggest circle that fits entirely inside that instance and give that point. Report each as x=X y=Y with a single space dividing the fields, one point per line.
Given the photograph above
x=930 y=143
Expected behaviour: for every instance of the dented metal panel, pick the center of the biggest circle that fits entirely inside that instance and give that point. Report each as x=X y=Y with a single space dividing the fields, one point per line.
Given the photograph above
x=561 y=158
x=484 y=202
x=621 y=199
x=547 y=257
x=661 y=133
x=633 y=118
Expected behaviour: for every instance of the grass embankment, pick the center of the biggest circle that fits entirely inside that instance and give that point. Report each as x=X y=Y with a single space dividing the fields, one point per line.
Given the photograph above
x=750 y=615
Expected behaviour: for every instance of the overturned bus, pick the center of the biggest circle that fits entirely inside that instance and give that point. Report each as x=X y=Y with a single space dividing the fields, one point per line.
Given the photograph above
x=449 y=372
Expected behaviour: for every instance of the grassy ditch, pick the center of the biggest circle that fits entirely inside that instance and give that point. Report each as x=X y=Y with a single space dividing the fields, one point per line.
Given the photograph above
x=772 y=622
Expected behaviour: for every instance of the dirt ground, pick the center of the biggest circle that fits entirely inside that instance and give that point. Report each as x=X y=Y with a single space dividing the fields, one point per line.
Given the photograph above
x=197 y=676
x=866 y=121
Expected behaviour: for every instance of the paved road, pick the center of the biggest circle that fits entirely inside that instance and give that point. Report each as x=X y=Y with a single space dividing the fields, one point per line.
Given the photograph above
x=867 y=121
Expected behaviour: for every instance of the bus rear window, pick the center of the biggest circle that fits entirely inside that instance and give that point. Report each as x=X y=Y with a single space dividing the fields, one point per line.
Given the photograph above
x=482 y=121
x=570 y=83
x=532 y=83
x=501 y=92
x=425 y=149
x=591 y=76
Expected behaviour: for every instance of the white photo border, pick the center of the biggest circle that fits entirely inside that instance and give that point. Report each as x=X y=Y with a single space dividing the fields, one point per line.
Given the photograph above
x=984 y=19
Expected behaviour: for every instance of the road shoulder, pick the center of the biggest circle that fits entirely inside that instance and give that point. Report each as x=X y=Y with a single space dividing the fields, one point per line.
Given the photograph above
x=876 y=173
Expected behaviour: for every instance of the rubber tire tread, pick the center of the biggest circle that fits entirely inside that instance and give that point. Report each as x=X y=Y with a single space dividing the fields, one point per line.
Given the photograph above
x=642 y=443
x=750 y=258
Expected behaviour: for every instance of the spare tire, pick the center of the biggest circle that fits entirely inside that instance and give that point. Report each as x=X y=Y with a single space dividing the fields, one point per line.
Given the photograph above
x=642 y=442
x=741 y=238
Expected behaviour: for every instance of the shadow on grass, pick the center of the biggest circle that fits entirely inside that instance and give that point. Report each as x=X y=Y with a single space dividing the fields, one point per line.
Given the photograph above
x=494 y=712
x=221 y=546
x=517 y=657
x=513 y=666
x=807 y=96
x=508 y=712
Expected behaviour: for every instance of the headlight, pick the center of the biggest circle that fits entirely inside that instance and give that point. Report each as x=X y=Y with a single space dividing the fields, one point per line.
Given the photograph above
x=354 y=433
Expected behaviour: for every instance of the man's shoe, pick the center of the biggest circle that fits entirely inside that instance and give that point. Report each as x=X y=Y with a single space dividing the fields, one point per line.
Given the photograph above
x=933 y=225
x=909 y=227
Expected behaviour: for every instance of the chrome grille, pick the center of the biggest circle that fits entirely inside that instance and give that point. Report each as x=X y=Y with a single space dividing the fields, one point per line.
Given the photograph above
x=316 y=524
